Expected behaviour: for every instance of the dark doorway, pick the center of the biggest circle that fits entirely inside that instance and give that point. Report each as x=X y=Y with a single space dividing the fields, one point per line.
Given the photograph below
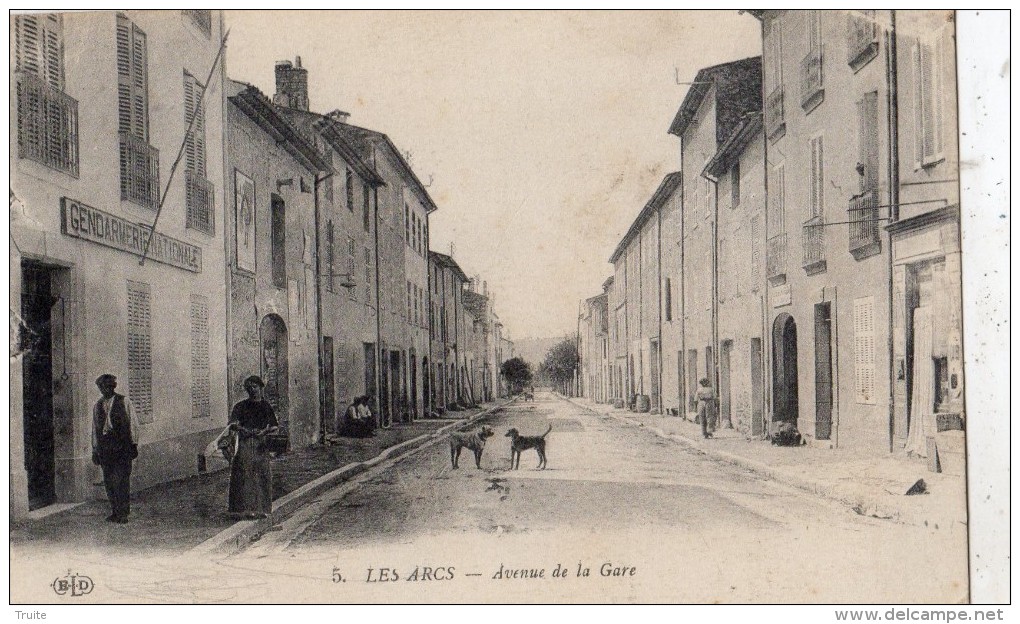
x=384 y=389
x=692 y=379
x=396 y=388
x=823 y=371
x=36 y=339
x=426 y=388
x=370 y=382
x=653 y=360
x=725 y=399
x=328 y=383
x=413 y=378
x=784 y=369
x=757 y=419
x=273 y=333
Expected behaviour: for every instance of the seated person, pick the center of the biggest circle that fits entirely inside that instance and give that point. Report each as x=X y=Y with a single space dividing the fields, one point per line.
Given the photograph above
x=357 y=421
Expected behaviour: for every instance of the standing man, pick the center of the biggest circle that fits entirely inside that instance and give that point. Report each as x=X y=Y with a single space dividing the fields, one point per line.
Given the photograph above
x=114 y=445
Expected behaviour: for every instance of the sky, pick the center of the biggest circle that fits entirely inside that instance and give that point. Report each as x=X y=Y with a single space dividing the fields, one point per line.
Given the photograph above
x=540 y=135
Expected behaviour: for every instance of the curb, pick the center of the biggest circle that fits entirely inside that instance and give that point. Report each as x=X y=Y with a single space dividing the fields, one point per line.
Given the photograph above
x=238 y=535
x=865 y=504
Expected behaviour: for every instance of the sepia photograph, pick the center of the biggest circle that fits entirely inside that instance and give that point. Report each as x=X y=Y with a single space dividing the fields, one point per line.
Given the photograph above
x=376 y=307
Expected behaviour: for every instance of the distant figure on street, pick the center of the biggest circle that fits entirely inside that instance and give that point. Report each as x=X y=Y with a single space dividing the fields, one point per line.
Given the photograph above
x=251 y=478
x=114 y=445
x=358 y=421
x=706 y=407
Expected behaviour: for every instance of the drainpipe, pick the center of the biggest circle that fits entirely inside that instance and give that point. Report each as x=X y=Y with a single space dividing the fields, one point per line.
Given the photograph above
x=715 y=283
x=766 y=334
x=318 y=303
x=894 y=201
x=228 y=221
x=658 y=272
x=378 y=301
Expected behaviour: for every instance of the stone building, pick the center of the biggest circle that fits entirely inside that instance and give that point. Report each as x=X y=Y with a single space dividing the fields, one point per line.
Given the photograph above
x=738 y=172
x=101 y=104
x=927 y=329
x=638 y=283
x=594 y=348
x=449 y=331
x=714 y=106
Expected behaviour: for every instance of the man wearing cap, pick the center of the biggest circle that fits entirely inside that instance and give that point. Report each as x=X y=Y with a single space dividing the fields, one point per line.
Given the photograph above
x=114 y=445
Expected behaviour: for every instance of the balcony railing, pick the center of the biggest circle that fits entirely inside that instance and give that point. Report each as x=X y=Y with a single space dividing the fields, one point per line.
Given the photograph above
x=863 y=218
x=47 y=124
x=774 y=119
x=861 y=38
x=139 y=171
x=811 y=86
x=775 y=257
x=199 y=201
x=813 y=241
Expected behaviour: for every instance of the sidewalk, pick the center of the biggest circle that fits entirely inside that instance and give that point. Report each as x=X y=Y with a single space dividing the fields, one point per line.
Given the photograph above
x=181 y=515
x=871 y=485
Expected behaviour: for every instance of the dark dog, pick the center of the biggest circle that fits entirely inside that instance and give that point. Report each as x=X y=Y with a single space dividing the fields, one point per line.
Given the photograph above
x=786 y=434
x=520 y=443
x=529 y=396
x=474 y=440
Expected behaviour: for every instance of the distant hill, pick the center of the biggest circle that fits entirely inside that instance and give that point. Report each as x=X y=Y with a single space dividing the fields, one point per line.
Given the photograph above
x=533 y=350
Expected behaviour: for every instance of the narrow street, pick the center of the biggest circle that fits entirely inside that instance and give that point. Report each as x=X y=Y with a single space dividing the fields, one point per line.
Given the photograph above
x=671 y=524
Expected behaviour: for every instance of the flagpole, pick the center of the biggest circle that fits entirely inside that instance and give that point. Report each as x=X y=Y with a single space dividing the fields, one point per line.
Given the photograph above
x=180 y=152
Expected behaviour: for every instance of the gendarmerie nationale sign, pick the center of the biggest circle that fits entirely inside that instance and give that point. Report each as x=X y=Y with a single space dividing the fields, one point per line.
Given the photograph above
x=83 y=221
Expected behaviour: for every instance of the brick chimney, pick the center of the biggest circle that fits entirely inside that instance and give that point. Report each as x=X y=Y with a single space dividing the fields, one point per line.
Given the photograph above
x=291 y=85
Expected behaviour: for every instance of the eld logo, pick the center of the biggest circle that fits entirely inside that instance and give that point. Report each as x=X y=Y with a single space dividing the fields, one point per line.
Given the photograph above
x=72 y=584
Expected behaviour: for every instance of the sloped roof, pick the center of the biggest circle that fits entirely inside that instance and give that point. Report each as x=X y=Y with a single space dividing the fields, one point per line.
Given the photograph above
x=256 y=106
x=748 y=128
x=704 y=80
x=666 y=188
x=448 y=262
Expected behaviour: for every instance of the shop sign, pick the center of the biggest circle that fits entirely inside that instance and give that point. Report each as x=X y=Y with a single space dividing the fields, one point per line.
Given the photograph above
x=88 y=223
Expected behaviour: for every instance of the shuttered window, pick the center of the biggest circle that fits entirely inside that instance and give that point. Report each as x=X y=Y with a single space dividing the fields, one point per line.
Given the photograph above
x=353 y=292
x=39 y=47
x=331 y=256
x=814 y=28
x=47 y=117
x=139 y=161
x=368 y=275
x=199 y=190
x=735 y=185
x=139 y=347
x=930 y=61
x=366 y=213
x=132 y=79
x=867 y=141
x=756 y=245
x=349 y=186
x=774 y=52
x=864 y=350
x=668 y=299
x=817 y=177
x=200 y=357
x=278 y=241
x=194 y=142
x=777 y=197
x=410 y=303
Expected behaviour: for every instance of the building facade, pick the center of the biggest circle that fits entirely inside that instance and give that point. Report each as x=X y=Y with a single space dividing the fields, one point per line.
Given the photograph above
x=98 y=124
x=927 y=372
x=449 y=332
x=738 y=173
x=828 y=187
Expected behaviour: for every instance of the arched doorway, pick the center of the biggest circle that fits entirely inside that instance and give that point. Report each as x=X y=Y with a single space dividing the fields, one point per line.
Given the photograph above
x=273 y=336
x=784 y=369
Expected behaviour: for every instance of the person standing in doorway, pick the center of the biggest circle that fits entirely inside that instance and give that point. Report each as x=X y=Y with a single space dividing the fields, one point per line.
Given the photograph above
x=706 y=407
x=251 y=477
x=114 y=445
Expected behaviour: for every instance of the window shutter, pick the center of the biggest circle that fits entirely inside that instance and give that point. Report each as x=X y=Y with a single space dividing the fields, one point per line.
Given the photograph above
x=139 y=345
x=816 y=176
x=917 y=99
x=132 y=79
x=368 y=273
x=864 y=350
x=669 y=300
x=200 y=382
x=869 y=122
x=349 y=184
x=927 y=104
x=756 y=244
x=27 y=33
x=330 y=256
x=942 y=58
x=189 y=106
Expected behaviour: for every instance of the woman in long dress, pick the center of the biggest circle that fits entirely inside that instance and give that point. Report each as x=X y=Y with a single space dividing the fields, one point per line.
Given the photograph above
x=251 y=478
x=706 y=407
